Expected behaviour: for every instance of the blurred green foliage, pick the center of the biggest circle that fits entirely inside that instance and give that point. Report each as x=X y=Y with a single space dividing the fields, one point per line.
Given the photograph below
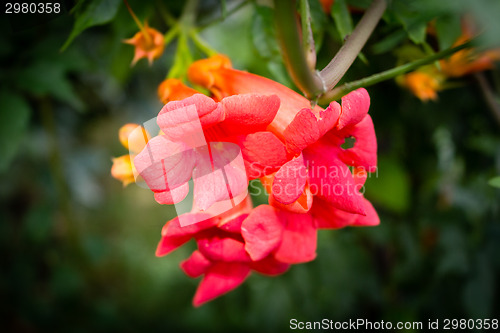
x=78 y=249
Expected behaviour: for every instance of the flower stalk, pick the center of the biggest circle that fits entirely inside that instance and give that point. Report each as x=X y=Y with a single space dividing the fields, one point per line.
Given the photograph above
x=308 y=81
x=344 y=58
x=340 y=91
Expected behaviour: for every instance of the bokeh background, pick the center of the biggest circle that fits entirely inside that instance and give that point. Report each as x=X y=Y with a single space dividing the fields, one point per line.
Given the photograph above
x=77 y=249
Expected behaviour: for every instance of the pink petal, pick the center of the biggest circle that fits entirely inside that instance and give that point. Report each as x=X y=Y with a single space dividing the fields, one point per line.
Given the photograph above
x=289 y=181
x=370 y=219
x=248 y=113
x=218 y=176
x=263 y=153
x=221 y=248
x=299 y=239
x=364 y=152
x=331 y=180
x=173 y=196
x=355 y=106
x=196 y=264
x=262 y=232
x=270 y=266
x=164 y=164
x=307 y=128
x=220 y=279
x=189 y=116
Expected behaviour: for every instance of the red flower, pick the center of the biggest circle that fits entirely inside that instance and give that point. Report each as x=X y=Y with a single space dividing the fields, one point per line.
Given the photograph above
x=256 y=128
x=197 y=143
x=265 y=240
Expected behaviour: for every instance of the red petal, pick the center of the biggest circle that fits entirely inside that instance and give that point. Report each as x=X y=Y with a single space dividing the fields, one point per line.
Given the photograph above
x=262 y=232
x=299 y=239
x=263 y=153
x=199 y=222
x=233 y=225
x=331 y=180
x=328 y=217
x=307 y=128
x=370 y=219
x=168 y=244
x=248 y=113
x=221 y=248
x=270 y=266
x=196 y=264
x=355 y=106
x=364 y=152
x=220 y=279
x=290 y=181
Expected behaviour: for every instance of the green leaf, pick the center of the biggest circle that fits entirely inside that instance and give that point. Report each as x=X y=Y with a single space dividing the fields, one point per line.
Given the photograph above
x=342 y=18
x=14 y=118
x=92 y=13
x=495 y=182
x=263 y=33
x=46 y=77
x=389 y=186
x=448 y=29
x=413 y=19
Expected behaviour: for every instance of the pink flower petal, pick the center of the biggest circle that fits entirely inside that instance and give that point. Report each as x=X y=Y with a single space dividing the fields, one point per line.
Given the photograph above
x=221 y=278
x=178 y=119
x=270 y=266
x=263 y=153
x=173 y=196
x=222 y=248
x=196 y=264
x=164 y=164
x=299 y=239
x=262 y=232
x=289 y=181
x=355 y=106
x=248 y=113
x=307 y=127
x=218 y=175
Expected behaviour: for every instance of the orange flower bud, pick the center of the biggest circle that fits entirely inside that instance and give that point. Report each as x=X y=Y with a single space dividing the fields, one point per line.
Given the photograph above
x=133 y=137
x=422 y=85
x=174 y=90
x=204 y=72
x=148 y=43
x=123 y=169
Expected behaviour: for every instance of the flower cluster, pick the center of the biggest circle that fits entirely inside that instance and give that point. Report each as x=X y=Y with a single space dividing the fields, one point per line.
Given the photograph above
x=312 y=162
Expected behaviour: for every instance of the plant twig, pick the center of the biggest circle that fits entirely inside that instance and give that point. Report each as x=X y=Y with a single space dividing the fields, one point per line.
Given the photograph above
x=489 y=96
x=340 y=91
x=308 y=81
x=339 y=65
